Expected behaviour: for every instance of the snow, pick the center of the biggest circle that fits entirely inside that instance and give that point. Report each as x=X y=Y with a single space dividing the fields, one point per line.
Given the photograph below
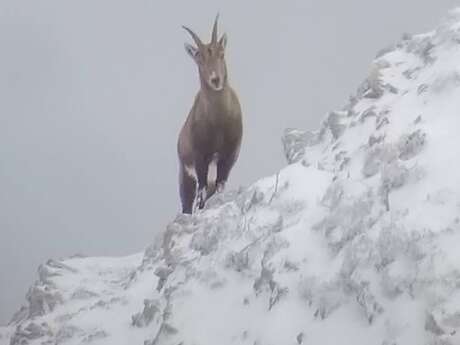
x=355 y=241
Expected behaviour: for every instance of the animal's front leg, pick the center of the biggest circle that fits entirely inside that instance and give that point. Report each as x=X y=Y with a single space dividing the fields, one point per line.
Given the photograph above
x=187 y=189
x=201 y=198
x=224 y=166
x=220 y=186
x=202 y=177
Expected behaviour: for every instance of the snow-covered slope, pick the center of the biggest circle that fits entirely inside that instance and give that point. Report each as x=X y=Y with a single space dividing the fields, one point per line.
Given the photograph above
x=355 y=242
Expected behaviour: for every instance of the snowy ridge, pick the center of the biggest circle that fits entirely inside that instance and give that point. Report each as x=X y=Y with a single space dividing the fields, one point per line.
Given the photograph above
x=355 y=242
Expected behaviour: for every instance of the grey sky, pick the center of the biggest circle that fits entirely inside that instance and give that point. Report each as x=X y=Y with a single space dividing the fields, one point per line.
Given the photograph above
x=93 y=94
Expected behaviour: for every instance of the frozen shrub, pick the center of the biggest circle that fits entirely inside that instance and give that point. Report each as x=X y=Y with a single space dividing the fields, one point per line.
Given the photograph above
x=294 y=143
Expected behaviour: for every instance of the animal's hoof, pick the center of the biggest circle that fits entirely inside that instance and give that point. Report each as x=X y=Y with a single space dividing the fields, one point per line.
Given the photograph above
x=201 y=198
x=220 y=187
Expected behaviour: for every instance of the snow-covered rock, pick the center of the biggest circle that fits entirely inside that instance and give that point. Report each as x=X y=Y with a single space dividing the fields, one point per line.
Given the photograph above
x=355 y=242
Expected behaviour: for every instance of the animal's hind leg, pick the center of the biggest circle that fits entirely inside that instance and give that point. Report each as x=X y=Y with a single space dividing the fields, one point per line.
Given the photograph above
x=187 y=189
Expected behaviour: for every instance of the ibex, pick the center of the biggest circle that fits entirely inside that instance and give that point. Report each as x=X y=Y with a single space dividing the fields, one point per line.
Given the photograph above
x=213 y=129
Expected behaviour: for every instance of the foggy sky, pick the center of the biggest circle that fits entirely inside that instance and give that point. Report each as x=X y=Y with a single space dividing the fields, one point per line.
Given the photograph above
x=93 y=94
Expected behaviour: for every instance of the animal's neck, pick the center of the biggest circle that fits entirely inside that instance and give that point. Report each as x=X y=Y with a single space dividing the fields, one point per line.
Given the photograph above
x=216 y=99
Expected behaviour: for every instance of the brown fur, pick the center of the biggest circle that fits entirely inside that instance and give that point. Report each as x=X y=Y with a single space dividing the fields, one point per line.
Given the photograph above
x=213 y=128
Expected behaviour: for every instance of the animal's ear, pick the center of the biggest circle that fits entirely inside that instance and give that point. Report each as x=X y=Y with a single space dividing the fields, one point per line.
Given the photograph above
x=223 y=41
x=191 y=50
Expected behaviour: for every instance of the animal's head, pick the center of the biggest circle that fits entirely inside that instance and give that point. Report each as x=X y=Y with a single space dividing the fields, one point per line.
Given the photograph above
x=210 y=58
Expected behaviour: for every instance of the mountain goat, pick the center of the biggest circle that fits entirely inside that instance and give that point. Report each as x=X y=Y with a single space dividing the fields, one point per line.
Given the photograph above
x=213 y=129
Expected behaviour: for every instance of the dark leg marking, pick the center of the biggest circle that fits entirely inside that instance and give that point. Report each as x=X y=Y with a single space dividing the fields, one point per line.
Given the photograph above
x=224 y=166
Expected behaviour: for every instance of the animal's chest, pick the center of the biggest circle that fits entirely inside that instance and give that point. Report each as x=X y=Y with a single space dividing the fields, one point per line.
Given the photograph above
x=215 y=132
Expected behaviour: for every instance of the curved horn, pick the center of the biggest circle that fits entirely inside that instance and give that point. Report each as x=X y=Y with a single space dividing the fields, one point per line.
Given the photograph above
x=194 y=36
x=214 y=30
